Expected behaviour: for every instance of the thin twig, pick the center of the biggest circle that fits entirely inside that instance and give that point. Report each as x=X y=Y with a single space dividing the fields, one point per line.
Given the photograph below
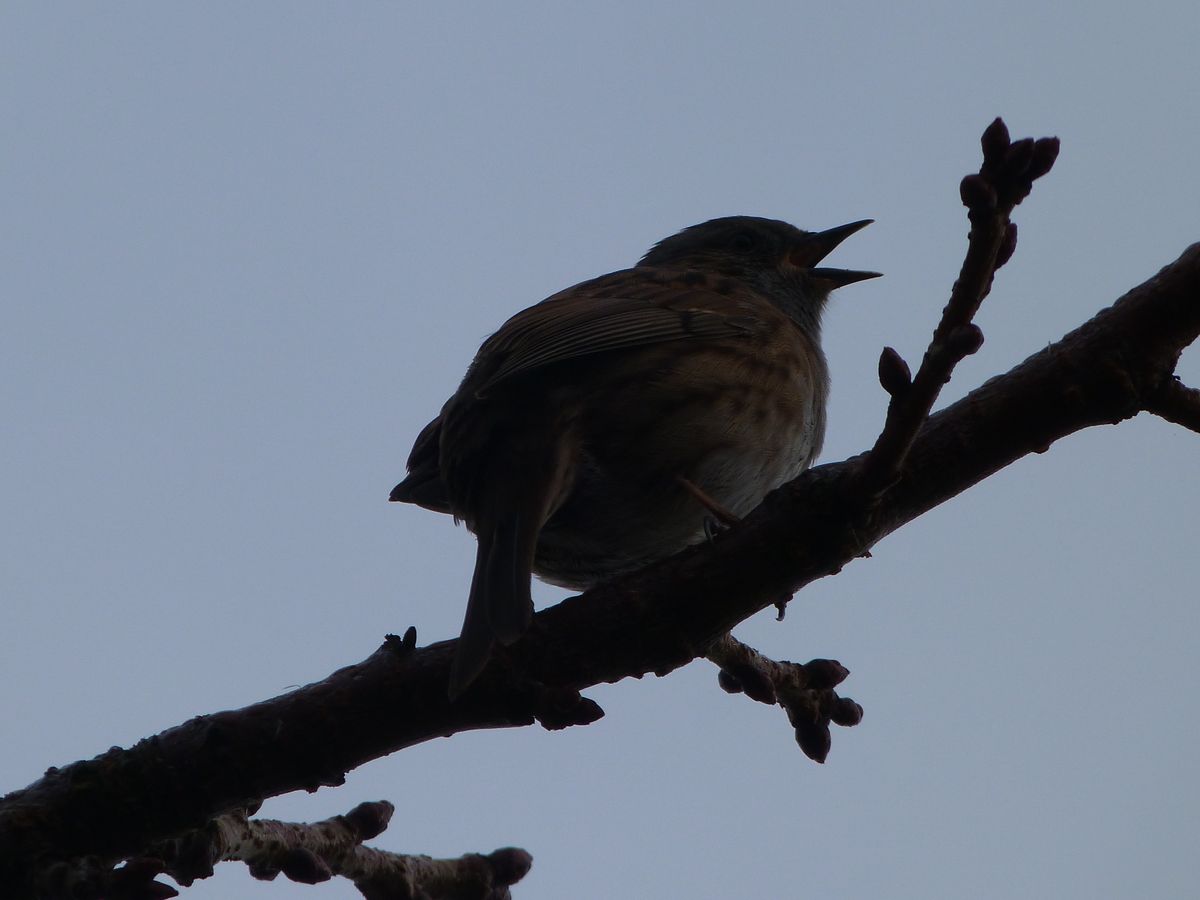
x=313 y=852
x=1004 y=180
x=805 y=691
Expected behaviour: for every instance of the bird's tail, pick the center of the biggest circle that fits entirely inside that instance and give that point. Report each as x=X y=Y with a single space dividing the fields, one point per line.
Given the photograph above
x=499 y=607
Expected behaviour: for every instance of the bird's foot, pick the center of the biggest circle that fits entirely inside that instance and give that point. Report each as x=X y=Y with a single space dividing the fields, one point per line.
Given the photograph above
x=719 y=517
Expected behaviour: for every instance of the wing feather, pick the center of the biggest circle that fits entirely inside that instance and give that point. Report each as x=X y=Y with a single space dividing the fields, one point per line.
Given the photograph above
x=587 y=320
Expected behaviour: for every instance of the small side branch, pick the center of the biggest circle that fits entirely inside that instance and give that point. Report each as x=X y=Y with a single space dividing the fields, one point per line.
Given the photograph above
x=805 y=691
x=312 y=853
x=1004 y=180
x=1177 y=403
x=307 y=853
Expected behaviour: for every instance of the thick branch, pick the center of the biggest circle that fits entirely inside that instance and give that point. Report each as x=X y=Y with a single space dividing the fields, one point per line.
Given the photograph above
x=119 y=803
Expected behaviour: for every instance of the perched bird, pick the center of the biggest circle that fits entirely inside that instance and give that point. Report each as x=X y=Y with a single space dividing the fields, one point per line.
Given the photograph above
x=597 y=431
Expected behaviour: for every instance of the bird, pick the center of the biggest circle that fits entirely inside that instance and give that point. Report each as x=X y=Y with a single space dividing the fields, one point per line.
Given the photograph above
x=616 y=422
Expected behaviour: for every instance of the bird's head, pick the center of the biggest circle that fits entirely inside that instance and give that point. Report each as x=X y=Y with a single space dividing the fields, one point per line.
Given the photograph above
x=777 y=258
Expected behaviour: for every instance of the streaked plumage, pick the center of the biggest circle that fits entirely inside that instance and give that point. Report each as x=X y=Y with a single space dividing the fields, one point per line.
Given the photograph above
x=566 y=445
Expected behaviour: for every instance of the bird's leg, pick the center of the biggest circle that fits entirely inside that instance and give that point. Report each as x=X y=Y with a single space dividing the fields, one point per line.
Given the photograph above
x=719 y=517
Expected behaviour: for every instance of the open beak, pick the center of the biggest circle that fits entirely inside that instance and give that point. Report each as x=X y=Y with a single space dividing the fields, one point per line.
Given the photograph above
x=815 y=247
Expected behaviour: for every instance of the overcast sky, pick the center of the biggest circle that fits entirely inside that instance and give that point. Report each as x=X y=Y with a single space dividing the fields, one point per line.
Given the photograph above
x=249 y=248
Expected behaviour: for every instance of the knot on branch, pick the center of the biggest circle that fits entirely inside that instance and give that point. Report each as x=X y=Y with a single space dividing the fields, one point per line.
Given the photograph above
x=558 y=708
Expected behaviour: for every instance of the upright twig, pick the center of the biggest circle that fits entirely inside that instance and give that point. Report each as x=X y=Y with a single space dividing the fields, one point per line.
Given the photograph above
x=1004 y=180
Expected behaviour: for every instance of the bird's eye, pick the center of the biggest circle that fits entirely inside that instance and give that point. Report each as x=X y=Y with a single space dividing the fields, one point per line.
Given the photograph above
x=743 y=240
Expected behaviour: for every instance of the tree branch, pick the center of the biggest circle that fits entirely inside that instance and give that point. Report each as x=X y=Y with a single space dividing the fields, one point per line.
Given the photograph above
x=1004 y=180
x=304 y=852
x=806 y=692
x=1176 y=403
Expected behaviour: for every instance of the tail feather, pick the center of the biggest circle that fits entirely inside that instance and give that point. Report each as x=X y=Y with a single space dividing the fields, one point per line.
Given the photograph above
x=475 y=641
x=510 y=606
x=499 y=607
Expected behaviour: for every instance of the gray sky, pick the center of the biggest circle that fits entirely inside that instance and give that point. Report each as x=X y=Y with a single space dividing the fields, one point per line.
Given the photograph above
x=249 y=248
